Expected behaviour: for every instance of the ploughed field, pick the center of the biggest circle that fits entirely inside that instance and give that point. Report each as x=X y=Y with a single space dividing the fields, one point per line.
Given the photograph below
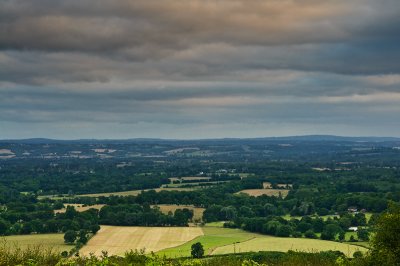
x=117 y=240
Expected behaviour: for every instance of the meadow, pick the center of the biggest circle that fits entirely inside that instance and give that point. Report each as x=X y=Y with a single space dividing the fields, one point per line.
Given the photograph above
x=213 y=238
x=217 y=240
x=270 y=243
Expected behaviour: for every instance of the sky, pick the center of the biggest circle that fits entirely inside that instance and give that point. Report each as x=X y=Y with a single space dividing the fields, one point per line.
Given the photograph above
x=199 y=69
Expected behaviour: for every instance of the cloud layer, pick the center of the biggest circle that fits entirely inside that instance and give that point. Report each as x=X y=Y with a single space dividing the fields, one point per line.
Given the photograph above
x=168 y=68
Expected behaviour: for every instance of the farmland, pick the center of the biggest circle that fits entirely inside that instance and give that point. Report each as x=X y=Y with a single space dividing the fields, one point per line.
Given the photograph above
x=269 y=243
x=177 y=241
x=121 y=193
x=266 y=191
x=116 y=240
x=53 y=241
x=80 y=207
x=213 y=237
x=218 y=240
x=197 y=212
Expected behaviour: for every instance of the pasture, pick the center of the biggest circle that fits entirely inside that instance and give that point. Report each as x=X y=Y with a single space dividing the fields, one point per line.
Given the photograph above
x=44 y=241
x=265 y=191
x=217 y=240
x=117 y=240
x=213 y=238
x=270 y=243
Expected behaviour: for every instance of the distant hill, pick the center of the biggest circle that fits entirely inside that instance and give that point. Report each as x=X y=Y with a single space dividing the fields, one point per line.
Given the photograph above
x=157 y=140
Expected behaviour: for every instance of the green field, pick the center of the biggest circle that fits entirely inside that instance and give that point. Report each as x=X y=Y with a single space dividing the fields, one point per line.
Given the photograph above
x=217 y=240
x=215 y=224
x=54 y=241
x=269 y=243
x=213 y=237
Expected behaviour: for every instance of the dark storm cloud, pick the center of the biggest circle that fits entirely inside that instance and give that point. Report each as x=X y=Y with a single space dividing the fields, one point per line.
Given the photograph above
x=353 y=31
x=201 y=64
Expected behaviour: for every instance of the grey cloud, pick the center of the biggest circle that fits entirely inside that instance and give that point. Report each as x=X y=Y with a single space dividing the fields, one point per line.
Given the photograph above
x=198 y=65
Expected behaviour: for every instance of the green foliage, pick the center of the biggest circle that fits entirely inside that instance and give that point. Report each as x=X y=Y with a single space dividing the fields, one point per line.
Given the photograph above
x=386 y=243
x=363 y=234
x=197 y=250
x=310 y=234
x=70 y=237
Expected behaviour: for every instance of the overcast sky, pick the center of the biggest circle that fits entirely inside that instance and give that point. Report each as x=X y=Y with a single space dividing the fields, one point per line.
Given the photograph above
x=199 y=69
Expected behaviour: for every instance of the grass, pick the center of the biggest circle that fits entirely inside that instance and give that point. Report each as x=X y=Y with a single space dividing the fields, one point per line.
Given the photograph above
x=54 y=241
x=213 y=238
x=217 y=240
x=117 y=240
x=270 y=243
x=215 y=224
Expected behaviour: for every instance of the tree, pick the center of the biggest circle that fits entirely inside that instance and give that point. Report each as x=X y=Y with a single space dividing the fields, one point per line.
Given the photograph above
x=310 y=234
x=82 y=237
x=284 y=231
x=386 y=243
x=70 y=237
x=197 y=250
x=363 y=234
x=4 y=226
x=342 y=236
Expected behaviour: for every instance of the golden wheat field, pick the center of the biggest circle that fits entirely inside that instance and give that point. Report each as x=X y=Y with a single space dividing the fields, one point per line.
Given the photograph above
x=117 y=240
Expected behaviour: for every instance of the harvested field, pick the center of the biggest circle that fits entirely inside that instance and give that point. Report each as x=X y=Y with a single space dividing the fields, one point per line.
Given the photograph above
x=117 y=240
x=265 y=191
x=44 y=241
x=280 y=186
x=266 y=243
x=122 y=193
x=189 y=178
x=133 y=192
x=267 y=185
x=80 y=207
x=197 y=212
